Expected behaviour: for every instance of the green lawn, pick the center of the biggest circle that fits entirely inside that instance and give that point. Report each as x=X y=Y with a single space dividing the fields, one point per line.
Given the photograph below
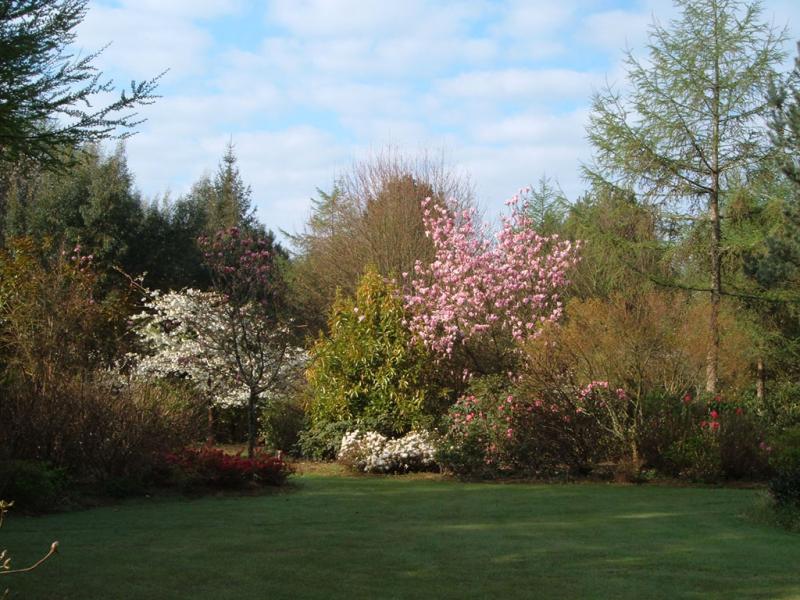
x=354 y=537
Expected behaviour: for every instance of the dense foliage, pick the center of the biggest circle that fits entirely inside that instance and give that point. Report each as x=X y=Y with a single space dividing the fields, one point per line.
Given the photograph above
x=785 y=459
x=61 y=404
x=371 y=217
x=368 y=368
x=500 y=431
x=687 y=132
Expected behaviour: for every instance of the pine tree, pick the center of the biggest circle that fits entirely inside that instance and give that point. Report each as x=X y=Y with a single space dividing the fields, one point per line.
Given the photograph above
x=231 y=204
x=224 y=198
x=781 y=264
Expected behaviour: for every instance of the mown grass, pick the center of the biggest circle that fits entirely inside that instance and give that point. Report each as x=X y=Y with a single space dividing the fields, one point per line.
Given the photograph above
x=391 y=537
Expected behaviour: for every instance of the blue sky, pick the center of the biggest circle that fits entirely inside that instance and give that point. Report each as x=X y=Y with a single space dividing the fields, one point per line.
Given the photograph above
x=306 y=87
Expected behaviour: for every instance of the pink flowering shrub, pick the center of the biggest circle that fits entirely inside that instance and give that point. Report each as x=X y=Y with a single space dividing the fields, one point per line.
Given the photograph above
x=617 y=413
x=482 y=290
x=496 y=431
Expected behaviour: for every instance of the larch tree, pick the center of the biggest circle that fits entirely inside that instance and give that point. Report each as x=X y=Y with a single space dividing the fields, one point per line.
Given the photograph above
x=689 y=128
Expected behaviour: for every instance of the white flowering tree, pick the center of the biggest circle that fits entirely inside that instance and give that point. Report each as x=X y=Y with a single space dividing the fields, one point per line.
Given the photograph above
x=189 y=334
x=235 y=343
x=173 y=332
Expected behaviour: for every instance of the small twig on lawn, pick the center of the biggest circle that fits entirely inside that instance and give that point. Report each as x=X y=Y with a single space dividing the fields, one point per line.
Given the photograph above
x=53 y=550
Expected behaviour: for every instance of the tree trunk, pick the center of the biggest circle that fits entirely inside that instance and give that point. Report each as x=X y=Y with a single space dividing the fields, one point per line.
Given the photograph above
x=634 y=457
x=210 y=425
x=251 y=424
x=712 y=359
x=761 y=379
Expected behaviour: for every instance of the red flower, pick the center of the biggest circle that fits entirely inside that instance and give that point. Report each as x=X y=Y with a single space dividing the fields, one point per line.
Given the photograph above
x=714 y=415
x=687 y=399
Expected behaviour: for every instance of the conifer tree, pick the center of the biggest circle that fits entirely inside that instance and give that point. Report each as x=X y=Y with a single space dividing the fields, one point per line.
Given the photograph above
x=48 y=95
x=689 y=129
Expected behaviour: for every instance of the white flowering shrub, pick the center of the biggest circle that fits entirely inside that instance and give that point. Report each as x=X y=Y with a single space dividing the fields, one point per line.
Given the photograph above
x=372 y=452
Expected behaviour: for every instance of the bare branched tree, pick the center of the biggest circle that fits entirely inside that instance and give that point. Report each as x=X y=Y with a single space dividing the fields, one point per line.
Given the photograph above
x=373 y=216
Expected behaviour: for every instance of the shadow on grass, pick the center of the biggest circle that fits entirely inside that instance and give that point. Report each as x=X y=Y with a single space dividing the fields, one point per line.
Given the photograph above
x=368 y=537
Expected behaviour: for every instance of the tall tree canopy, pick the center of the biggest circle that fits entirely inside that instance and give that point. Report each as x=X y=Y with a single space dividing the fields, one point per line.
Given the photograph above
x=373 y=216
x=689 y=129
x=225 y=198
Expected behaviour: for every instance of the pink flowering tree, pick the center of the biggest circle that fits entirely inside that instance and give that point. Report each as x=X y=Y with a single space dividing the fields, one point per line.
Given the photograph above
x=484 y=293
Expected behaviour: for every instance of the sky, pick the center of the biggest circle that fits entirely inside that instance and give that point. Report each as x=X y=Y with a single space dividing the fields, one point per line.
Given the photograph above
x=305 y=88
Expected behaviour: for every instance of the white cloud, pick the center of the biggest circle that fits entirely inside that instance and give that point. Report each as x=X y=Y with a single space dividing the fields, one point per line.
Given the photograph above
x=366 y=18
x=142 y=44
x=514 y=84
x=194 y=9
x=540 y=128
x=526 y=18
x=376 y=57
x=392 y=131
x=337 y=18
x=366 y=38
x=500 y=171
x=285 y=168
x=503 y=87
x=615 y=30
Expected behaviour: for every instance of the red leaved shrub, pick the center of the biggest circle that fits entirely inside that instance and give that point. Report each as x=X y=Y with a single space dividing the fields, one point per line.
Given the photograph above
x=214 y=468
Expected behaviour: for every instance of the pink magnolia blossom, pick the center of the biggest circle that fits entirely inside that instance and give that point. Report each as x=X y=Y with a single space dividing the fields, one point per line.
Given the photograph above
x=478 y=283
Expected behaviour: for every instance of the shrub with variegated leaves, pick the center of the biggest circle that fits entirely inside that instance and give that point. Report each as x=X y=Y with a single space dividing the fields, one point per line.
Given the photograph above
x=369 y=368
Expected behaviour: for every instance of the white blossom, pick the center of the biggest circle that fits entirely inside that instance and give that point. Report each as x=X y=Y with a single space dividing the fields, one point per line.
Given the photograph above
x=179 y=333
x=372 y=452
